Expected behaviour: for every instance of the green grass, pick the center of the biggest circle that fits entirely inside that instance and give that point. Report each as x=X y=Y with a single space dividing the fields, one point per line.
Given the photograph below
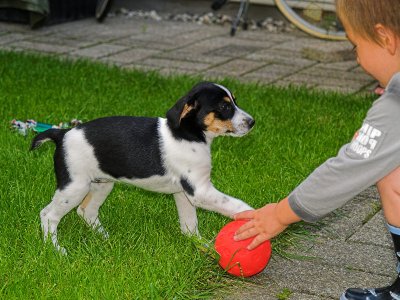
x=145 y=256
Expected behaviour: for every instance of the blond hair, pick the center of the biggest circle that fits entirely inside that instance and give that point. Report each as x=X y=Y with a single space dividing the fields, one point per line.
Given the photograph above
x=363 y=15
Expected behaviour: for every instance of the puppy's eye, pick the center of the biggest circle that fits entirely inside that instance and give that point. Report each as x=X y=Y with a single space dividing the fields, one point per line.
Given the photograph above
x=225 y=106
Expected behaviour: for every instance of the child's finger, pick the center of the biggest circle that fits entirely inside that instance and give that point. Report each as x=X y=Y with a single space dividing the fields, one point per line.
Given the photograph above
x=245 y=232
x=248 y=214
x=258 y=240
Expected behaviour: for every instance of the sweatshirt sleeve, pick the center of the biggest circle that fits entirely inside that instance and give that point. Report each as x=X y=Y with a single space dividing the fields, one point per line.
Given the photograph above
x=372 y=154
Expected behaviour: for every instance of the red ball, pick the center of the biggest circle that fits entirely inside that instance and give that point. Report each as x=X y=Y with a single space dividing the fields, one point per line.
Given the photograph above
x=234 y=256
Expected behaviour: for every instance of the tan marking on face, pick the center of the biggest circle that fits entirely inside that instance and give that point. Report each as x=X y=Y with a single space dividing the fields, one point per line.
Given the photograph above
x=216 y=125
x=227 y=99
x=185 y=111
x=86 y=201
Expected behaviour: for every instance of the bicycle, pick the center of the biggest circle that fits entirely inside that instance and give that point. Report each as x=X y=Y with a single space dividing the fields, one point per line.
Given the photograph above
x=309 y=16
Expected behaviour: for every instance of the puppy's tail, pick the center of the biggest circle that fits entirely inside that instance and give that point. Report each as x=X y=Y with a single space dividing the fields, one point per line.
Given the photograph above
x=55 y=135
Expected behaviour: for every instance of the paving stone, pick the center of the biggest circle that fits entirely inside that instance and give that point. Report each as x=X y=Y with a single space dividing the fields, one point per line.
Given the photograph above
x=232 y=50
x=155 y=28
x=273 y=72
x=167 y=63
x=56 y=40
x=295 y=44
x=266 y=291
x=130 y=56
x=374 y=232
x=12 y=37
x=321 y=71
x=208 y=46
x=287 y=57
x=98 y=51
x=343 y=223
x=329 y=52
x=176 y=71
x=300 y=296
x=248 y=78
x=326 y=80
x=364 y=257
x=197 y=35
x=41 y=47
x=131 y=42
x=12 y=27
x=193 y=56
x=271 y=38
x=91 y=31
x=308 y=277
x=10 y=48
x=317 y=50
x=237 y=67
x=340 y=66
x=250 y=291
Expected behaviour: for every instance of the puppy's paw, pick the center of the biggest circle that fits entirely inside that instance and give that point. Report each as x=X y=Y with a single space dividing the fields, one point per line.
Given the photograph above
x=103 y=232
x=61 y=250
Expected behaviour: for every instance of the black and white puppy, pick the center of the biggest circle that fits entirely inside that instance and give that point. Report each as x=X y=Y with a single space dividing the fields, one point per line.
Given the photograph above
x=169 y=155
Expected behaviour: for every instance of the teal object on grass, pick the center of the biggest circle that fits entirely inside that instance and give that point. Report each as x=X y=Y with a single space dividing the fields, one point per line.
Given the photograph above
x=40 y=127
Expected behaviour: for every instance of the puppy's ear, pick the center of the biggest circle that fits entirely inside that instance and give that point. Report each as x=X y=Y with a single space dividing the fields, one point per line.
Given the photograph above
x=181 y=110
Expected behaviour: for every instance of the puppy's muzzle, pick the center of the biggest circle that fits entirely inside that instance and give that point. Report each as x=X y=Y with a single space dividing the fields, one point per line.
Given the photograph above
x=242 y=123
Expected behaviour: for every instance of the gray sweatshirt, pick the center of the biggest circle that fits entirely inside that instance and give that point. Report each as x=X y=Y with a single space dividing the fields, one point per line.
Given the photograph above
x=372 y=154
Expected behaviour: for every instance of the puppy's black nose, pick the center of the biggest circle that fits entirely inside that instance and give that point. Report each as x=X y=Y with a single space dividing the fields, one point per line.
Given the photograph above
x=251 y=122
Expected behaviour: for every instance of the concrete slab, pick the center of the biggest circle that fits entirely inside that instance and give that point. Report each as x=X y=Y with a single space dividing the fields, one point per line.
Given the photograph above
x=41 y=47
x=167 y=63
x=332 y=52
x=236 y=67
x=195 y=56
x=285 y=57
x=343 y=223
x=130 y=56
x=8 y=38
x=98 y=51
x=326 y=281
x=374 y=232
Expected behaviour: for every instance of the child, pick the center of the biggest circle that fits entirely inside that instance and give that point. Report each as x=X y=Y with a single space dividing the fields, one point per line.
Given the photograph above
x=373 y=156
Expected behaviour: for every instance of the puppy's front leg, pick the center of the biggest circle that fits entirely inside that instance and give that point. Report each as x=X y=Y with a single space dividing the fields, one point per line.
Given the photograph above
x=187 y=214
x=211 y=199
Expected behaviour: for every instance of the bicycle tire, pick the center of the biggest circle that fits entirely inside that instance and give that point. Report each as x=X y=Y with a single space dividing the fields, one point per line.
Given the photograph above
x=306 y=26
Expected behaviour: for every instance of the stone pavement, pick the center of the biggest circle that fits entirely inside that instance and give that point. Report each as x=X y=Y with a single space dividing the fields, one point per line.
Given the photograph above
x=209 y=51
x=352 y=247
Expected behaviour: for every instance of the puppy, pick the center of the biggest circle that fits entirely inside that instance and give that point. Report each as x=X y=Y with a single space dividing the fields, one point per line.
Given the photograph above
x=169 y=155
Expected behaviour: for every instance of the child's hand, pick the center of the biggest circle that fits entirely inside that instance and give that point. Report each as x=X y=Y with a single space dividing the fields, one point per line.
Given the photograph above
x=265 y=223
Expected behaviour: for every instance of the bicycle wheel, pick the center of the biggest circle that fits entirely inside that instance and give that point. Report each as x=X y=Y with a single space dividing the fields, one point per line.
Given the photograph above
x=312 y=18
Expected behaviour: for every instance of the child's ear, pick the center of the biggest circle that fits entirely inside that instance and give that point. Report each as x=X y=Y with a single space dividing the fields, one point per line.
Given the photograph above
x=387 y=37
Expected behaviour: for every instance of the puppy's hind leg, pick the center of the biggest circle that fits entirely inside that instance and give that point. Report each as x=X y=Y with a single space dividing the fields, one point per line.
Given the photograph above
x=89 y=208
x=63 y=201
x=187 y=214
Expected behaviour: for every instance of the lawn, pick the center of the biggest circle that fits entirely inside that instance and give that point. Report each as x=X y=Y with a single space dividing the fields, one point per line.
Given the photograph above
x=146 y=256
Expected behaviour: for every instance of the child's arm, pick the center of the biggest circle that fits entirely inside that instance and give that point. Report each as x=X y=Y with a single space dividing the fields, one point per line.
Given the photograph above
x=373 y=153
x=266 y=222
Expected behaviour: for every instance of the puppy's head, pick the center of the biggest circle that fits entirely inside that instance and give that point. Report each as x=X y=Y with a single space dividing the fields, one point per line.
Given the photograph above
x=209 y=109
